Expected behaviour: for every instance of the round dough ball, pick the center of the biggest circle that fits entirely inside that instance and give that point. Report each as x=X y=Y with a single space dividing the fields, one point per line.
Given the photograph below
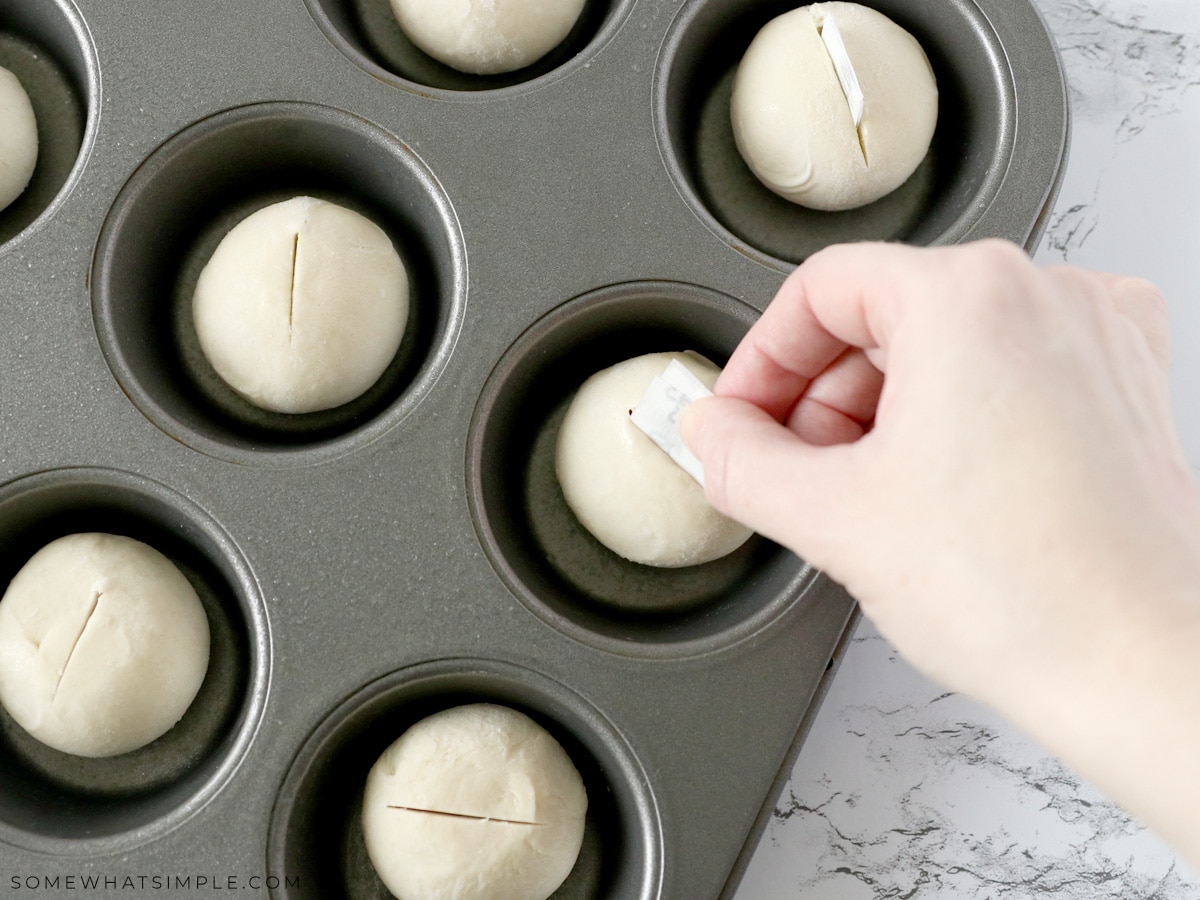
x=626 y=491
x=18 y=138
x=103 y=645
x=302 y=306
x=792 y=122
x=486 y=37
x=475 y=802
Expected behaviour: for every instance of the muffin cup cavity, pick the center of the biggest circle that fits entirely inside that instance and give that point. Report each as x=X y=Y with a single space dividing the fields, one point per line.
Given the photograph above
x=174 y=211
x=552 y=564
x=316 y=846
x=53 y=801
x=47 y=45
x=946 y=199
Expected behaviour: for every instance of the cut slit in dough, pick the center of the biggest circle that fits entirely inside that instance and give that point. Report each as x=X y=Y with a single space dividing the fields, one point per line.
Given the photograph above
x=476 y=802
x=302 y=306
x=103 y=645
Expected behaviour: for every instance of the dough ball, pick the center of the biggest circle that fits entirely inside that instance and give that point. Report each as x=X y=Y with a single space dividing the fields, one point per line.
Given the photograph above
x=626 y=491
x=302 y=306
x=792 y=122
x=476 y=802
x=486 y=37
x=18 y=138
x=103 y=645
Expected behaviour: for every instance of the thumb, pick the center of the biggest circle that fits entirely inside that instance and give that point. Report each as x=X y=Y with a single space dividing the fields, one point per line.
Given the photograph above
x=763 y=475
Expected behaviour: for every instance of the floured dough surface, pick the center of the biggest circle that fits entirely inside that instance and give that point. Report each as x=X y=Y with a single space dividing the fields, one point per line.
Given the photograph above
x=626 y=491
x=103 y=645
x=476 y=802
x=18 y=138
x=487 y=37
x=302 y=306
x=793 y=125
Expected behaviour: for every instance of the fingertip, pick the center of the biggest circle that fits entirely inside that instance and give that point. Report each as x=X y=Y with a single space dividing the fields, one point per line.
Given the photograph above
x=691 y=424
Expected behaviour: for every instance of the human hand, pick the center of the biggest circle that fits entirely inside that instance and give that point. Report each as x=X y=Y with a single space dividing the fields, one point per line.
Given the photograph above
x=983 y=453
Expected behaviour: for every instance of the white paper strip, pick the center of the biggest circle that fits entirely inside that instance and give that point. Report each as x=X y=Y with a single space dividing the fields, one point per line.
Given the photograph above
x=657 y=414
x=836 y=48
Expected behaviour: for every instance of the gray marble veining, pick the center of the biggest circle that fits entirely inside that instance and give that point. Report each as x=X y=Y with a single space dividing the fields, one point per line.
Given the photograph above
x=1123 y=70
x=912 y=792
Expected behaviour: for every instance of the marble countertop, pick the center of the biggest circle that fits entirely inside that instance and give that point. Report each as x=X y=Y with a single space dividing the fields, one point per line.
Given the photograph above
x=903 y=790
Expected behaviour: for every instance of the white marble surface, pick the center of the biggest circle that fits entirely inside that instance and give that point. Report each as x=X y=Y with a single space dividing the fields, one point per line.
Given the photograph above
x=905 y=791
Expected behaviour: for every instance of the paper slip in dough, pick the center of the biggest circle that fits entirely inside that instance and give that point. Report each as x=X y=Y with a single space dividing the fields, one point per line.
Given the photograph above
x=657 y=414
x=626 y=491
x=795 y=107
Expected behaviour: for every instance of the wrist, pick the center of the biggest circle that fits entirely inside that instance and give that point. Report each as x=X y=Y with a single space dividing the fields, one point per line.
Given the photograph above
x=1122 y=706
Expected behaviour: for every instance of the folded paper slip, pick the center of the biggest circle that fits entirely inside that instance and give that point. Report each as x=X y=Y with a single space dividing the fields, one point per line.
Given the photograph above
x=657 y=414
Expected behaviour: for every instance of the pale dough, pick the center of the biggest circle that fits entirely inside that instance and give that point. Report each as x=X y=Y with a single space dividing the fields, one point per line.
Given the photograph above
x=302 y=306
x=476 y=802
x=793 y=125
x=103 y=645
x=18 y=138
x=625 y=490
x=486 y=37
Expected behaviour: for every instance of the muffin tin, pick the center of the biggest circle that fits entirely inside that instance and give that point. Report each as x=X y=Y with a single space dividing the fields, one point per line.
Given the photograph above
x=410 y=551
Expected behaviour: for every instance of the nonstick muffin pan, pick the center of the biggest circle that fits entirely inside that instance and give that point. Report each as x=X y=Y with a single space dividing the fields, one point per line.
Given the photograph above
x=366 y=566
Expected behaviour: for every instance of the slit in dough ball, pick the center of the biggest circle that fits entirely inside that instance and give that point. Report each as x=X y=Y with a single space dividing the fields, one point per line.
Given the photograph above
x=476 y=802
x=302 y=306
x=103 y=645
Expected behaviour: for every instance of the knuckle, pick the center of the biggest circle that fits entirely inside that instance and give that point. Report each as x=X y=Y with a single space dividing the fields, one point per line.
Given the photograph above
x=998 y=261
x=982 y=280
x=1149 y=296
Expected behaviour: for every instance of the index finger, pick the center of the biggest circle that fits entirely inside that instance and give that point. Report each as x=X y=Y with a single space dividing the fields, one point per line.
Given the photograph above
x=850 y=295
